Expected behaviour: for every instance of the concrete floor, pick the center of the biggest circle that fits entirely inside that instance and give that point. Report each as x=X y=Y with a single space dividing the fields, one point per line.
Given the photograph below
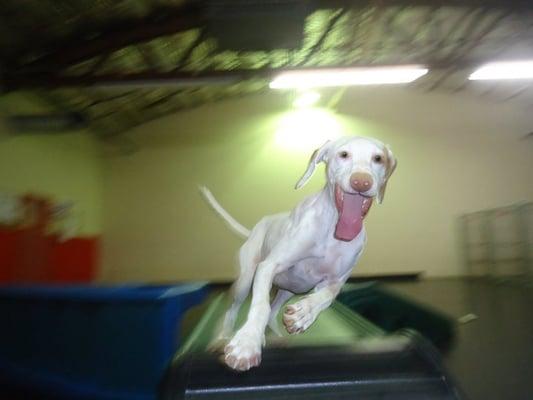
x=492 y=358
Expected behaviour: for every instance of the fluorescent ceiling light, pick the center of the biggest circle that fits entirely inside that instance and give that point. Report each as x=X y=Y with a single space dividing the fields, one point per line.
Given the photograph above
x=504 y=70
x=306 y=99
x=347 y=76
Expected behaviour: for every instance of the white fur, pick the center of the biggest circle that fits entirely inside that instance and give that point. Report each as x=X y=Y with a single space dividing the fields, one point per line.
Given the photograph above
x=297 y=251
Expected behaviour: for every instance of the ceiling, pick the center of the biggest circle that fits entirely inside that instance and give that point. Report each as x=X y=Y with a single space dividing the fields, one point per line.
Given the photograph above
x=122 y=63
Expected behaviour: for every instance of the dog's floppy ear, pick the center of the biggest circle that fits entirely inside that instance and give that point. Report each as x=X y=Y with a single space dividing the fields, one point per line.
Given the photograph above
x=390 y=166
x=318 y=156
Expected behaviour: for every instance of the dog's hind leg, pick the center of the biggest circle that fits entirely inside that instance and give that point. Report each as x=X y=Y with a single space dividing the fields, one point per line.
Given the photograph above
x=282 y=296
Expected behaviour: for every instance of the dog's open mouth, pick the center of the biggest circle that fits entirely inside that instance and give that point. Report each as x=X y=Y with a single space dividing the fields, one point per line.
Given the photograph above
x=352 y=208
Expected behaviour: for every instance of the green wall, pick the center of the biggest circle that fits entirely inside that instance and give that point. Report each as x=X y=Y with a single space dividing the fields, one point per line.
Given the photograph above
x=453 y=153
x=65 y=167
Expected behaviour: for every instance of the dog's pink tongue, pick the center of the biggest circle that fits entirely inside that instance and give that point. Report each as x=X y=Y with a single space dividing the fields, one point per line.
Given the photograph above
x=350 y=220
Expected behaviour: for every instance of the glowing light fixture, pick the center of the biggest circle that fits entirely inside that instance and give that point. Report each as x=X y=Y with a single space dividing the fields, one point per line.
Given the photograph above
x=306 y=99
x=306 y=79
x=504 y=70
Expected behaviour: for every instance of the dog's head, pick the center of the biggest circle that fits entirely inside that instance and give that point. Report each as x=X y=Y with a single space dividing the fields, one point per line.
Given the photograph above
x=358 y=170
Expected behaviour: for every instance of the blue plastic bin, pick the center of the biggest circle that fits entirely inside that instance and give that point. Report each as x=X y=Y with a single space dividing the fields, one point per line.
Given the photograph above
x=88 y=342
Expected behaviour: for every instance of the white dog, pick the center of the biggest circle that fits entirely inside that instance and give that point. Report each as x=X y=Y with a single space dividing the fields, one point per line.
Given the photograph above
x=313 y=247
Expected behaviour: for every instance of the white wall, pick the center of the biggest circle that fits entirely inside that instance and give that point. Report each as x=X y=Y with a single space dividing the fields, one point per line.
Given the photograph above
x=455 y=155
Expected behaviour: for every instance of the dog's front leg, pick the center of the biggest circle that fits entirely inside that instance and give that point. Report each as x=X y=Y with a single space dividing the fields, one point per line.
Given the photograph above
x=244 y=350
x=300 y=315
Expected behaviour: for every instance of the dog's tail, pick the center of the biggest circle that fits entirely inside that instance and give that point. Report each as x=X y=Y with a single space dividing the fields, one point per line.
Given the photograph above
x=232 y=222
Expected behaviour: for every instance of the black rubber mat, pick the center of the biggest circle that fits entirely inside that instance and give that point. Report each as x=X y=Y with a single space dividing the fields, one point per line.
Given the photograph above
x=400 y=367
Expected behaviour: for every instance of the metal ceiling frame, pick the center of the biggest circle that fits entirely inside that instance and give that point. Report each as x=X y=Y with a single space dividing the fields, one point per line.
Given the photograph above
x=97 y=46
x=82 y=46
x=117 y=35
x=180 y=79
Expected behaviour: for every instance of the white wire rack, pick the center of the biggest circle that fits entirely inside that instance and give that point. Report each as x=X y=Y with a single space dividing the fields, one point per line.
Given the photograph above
x=498 y=243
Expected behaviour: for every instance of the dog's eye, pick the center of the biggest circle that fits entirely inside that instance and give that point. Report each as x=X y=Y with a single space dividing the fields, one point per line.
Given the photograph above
x=378 y=158
x=344 y=154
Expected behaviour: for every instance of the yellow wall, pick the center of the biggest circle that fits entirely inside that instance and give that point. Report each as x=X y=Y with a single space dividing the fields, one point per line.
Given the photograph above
x=455 y=155
x=65 y=167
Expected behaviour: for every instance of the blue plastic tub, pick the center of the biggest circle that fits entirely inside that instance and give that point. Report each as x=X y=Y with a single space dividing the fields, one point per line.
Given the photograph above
x=88 y=342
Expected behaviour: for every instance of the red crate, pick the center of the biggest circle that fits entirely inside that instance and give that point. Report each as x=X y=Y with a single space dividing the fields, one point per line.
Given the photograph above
x=8 y=240
x=26 y=256
x=74 y=260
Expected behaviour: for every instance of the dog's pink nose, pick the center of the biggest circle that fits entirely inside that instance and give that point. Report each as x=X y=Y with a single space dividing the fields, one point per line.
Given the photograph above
x=361 y=181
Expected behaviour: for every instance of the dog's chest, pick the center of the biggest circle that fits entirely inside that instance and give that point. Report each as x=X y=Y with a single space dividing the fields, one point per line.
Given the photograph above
x=336 y=259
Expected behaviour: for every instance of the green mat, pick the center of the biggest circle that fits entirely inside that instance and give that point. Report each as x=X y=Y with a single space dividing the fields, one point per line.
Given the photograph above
x=336 y=325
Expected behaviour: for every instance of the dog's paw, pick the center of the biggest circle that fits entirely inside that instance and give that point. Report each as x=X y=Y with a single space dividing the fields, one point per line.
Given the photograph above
x=298 y=317
x=243 y=352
